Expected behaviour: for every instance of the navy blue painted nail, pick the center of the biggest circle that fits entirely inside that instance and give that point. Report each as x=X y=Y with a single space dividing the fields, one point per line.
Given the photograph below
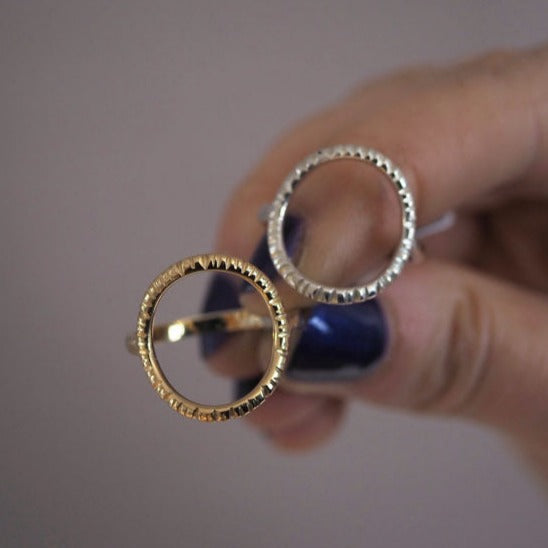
x=293 y=232
x=222 y=294
x=339 y=343
x=244 y=386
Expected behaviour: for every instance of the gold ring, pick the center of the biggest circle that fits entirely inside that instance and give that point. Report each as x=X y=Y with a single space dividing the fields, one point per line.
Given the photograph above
x=146 y=335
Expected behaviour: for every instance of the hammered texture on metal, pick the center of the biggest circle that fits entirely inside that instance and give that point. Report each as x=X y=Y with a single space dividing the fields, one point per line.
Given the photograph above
x=280 y=337
x=341 y=295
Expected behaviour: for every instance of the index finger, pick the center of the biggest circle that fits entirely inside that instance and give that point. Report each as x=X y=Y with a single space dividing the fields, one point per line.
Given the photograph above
x=469 y=130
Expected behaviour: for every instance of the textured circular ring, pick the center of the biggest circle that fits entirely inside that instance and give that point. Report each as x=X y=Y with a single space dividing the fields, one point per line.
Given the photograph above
x=280 y=337
x=276 y=246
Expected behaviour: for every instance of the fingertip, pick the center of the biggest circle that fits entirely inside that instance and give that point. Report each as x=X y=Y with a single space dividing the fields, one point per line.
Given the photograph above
x=314 y=432
x=283 y=410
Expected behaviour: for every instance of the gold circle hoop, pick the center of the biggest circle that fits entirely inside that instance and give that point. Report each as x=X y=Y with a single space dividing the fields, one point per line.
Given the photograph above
x=280 y=337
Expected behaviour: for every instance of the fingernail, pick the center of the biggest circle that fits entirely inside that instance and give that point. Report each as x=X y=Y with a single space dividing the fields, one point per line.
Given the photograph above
x=339 y=343
x=293 y=232
x=221 y=294
x=244 y=386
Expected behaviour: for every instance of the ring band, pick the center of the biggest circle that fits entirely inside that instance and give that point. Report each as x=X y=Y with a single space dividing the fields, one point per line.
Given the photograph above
x=229 y=321
x=144 y=339
x=340 y=295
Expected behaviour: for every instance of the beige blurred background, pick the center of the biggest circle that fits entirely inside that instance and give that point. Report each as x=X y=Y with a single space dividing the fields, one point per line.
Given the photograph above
x=125 y=125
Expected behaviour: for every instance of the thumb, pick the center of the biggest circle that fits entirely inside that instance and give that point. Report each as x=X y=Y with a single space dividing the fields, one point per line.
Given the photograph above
x=459 y=343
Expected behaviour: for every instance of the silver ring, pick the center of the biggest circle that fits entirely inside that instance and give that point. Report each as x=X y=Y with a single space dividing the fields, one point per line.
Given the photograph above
x=341 y=295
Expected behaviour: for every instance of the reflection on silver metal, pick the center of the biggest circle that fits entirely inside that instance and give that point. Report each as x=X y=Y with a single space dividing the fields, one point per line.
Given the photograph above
x=443 y=223
x=341 y=295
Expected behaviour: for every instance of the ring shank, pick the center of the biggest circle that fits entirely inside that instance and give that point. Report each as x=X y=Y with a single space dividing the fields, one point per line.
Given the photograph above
x=229 y=321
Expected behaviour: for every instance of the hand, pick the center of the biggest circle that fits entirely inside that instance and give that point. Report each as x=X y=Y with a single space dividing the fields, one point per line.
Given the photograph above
x=462 y=332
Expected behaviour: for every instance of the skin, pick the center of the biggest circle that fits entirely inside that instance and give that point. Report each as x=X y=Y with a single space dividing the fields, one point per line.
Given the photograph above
x=468 y=323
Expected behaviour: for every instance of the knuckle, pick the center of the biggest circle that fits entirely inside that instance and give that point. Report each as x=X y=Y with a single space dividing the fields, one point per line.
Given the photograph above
x=496 y=62
x=501 y=68
x=483 y=74
x=404 y=78
x=457 y=385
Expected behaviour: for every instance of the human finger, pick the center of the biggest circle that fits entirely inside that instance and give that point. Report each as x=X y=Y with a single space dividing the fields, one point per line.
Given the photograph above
x=474 y=131
x=295 y=422
x=464 y=344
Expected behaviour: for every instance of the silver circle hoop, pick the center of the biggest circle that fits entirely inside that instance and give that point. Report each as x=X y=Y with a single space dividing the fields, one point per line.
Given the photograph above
x=341 y=295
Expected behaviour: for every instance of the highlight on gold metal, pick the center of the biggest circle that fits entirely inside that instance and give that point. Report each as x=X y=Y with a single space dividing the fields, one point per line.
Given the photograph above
x=341 y=295
x=230 y=321
x=145 y=336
